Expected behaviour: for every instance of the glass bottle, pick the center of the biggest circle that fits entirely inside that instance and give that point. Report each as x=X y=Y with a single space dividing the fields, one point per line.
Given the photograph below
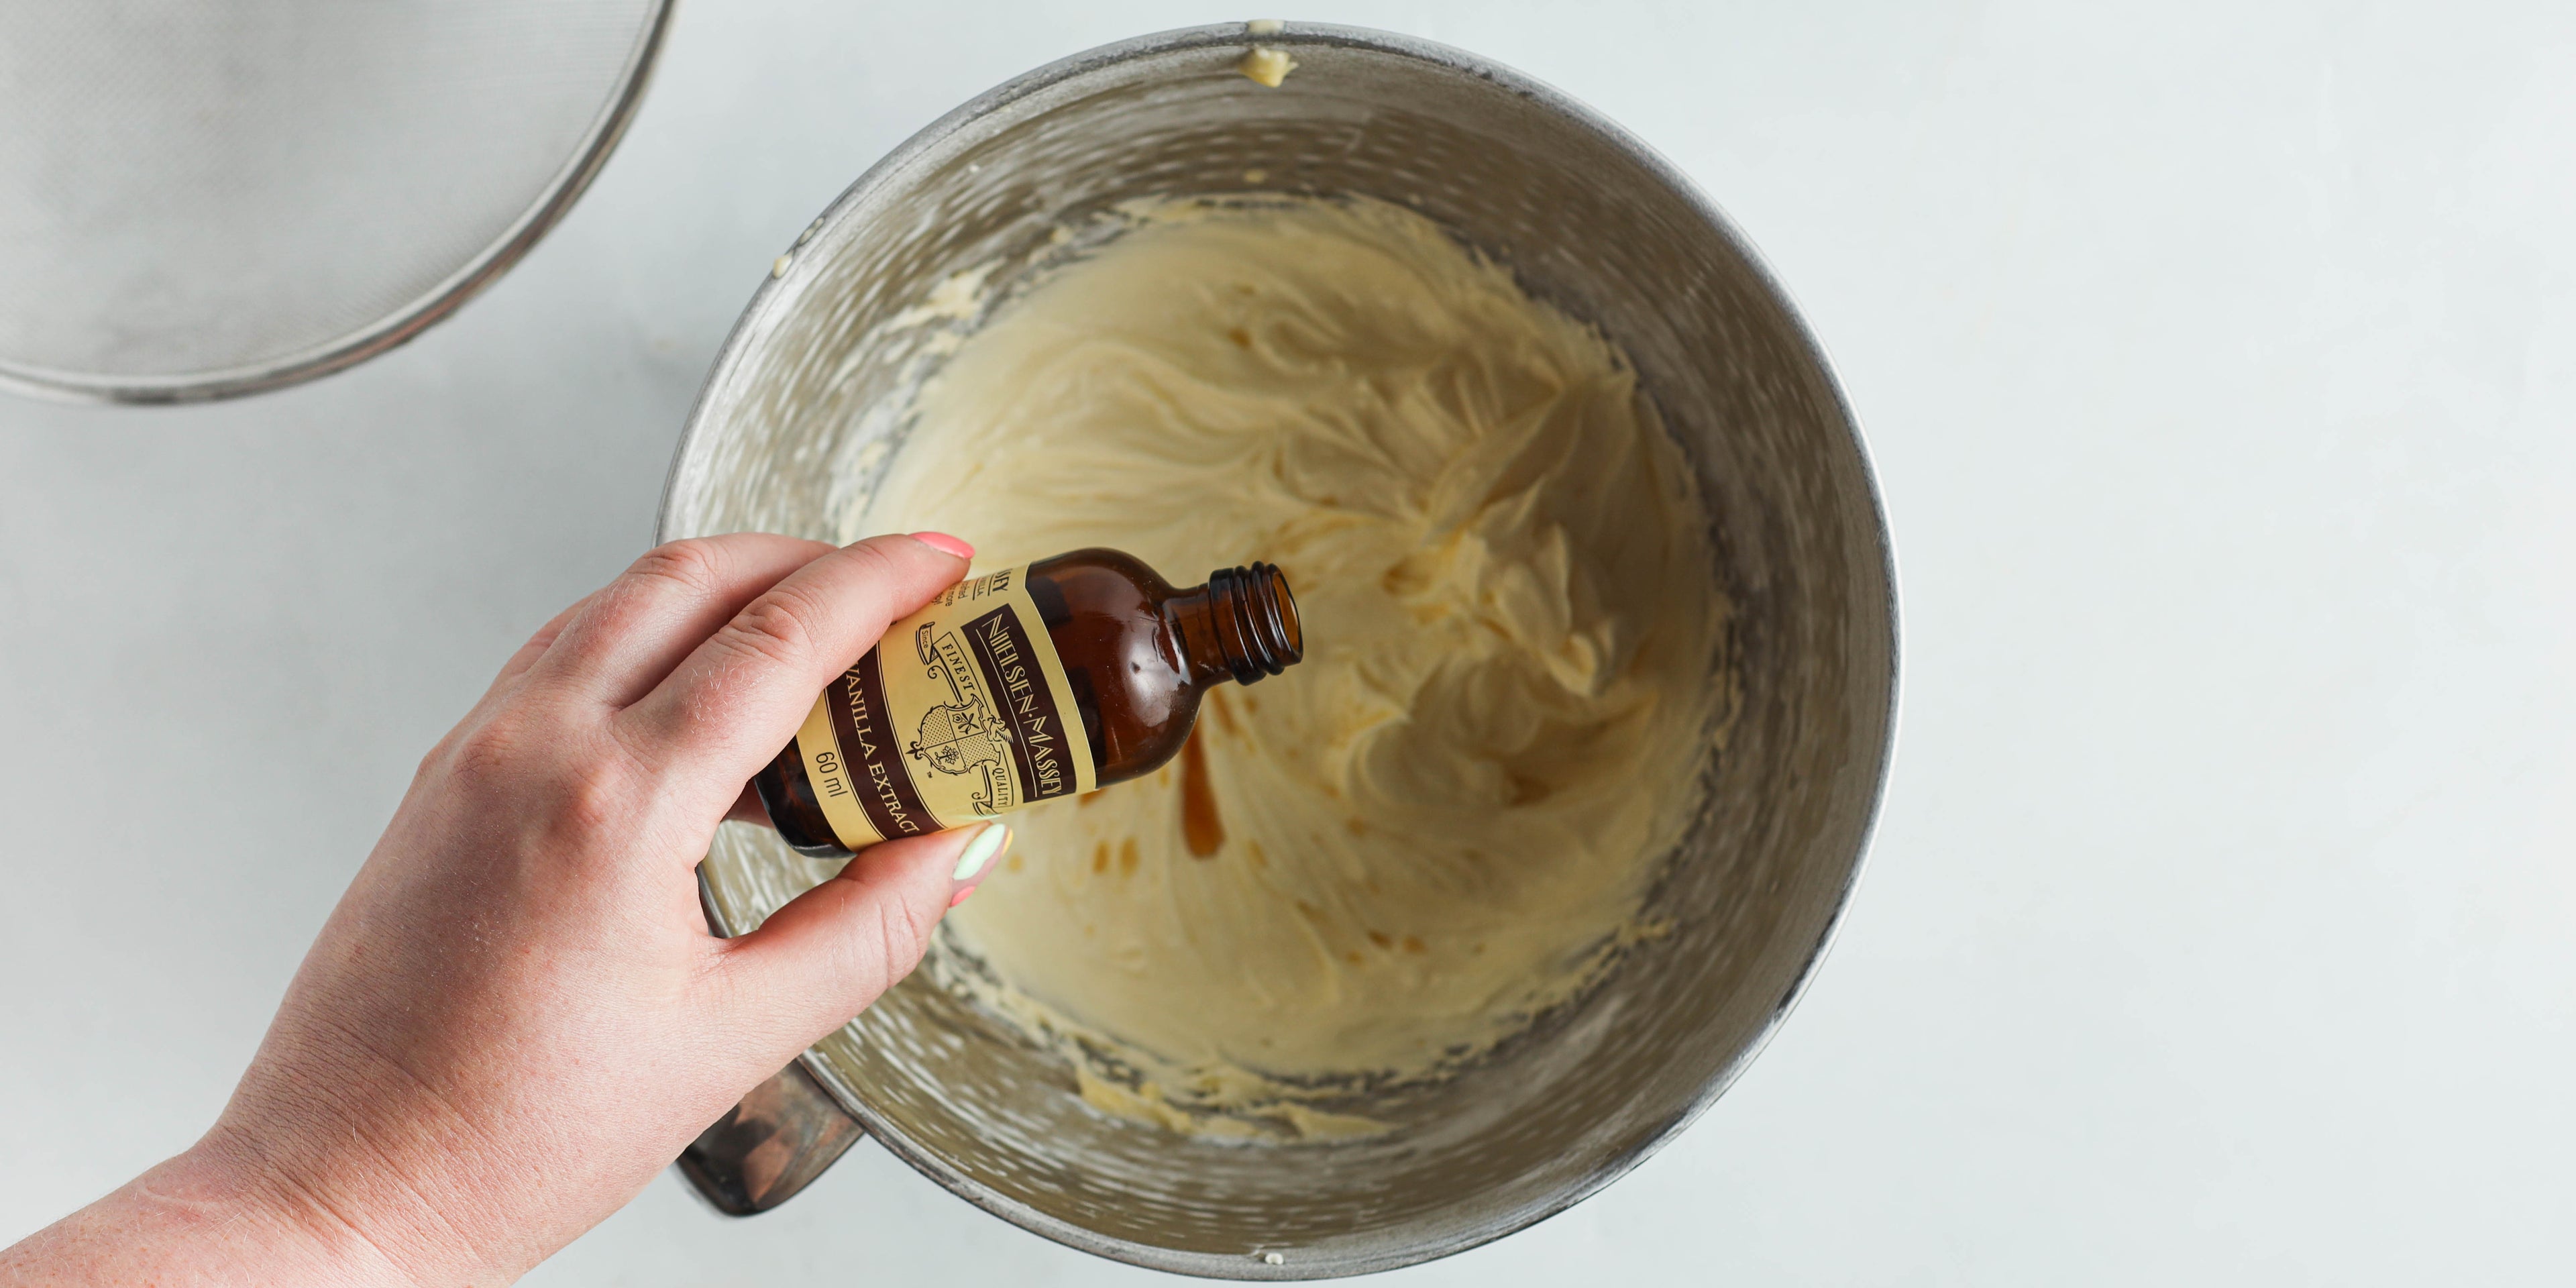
x=961 y=711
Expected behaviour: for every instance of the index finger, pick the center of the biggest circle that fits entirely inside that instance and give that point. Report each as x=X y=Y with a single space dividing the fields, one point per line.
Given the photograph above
x=739 y=696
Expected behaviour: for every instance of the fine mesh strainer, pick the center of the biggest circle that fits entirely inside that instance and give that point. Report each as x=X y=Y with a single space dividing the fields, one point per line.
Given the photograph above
x=802 y=411
x=203 y=198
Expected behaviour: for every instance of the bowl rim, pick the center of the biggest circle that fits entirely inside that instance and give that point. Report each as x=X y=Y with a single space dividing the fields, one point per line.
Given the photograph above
x=893 y=169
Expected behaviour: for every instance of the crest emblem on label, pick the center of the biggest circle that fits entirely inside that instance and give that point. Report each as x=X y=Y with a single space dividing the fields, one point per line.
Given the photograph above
x=980 y=719
x=963 y=735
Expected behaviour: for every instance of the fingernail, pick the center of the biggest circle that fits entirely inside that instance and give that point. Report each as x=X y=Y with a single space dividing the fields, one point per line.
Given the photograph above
x=945 y=544
x=981 y=850
x=963 y=895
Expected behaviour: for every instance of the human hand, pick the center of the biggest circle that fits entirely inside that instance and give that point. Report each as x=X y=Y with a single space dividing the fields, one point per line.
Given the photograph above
x=516 y=1016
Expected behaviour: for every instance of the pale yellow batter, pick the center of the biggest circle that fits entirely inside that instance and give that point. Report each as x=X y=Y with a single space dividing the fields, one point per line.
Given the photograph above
x=1442 y=822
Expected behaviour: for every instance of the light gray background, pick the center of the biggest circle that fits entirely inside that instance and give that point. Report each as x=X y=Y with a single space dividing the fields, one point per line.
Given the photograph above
x=2219 y=361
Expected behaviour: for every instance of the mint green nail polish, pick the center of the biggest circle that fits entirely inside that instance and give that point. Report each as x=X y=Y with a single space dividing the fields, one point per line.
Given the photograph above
x=981 y=850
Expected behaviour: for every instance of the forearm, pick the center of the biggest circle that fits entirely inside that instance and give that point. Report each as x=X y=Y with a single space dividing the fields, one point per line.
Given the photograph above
x=200 y=1218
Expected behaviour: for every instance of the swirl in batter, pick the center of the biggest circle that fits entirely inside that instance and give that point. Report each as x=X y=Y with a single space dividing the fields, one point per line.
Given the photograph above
x=1442 y=823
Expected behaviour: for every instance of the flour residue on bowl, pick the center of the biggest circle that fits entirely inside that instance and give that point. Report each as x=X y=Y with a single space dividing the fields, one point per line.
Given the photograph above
x=1443 y=823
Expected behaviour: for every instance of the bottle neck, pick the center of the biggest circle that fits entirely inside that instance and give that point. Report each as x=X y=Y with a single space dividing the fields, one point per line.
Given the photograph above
x=1241 y=626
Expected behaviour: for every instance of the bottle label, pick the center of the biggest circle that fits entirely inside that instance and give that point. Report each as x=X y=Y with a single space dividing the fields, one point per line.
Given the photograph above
x=962 y=711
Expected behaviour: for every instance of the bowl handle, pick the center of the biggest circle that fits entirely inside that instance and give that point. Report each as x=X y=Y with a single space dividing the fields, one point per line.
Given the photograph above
x=770 y=1146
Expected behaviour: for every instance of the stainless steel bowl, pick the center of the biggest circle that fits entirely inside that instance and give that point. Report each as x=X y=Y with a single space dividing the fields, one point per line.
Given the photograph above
x=804 y=409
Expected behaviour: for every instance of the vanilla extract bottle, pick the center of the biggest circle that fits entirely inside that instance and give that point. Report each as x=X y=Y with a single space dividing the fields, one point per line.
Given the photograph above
x=1022 y=686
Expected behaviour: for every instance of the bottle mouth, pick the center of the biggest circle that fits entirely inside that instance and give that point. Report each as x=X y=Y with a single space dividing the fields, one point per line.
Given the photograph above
x=1258 y=618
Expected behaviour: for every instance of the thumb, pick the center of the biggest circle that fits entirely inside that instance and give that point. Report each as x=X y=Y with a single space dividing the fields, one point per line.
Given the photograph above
x=833 y=949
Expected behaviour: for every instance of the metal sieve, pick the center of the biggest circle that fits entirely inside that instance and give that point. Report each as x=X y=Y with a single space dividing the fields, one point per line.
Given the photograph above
x=206 y=199
x=800 y=414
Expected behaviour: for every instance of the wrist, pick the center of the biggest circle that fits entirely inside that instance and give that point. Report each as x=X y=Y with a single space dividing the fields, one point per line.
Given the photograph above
x=230 y=1186
x=202 y=1218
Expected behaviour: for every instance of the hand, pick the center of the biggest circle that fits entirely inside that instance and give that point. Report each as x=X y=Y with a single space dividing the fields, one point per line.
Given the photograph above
x=516 y=1016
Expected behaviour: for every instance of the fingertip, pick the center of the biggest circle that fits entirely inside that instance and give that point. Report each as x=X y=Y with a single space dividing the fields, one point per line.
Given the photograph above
x=987 y=844
x=944 y=544
x=975 y=862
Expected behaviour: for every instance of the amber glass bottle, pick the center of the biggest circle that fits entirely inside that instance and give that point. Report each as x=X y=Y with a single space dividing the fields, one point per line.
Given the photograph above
x=957 y=713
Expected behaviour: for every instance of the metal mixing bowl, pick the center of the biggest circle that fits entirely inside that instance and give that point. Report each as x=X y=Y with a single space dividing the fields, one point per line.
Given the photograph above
x=804 y=409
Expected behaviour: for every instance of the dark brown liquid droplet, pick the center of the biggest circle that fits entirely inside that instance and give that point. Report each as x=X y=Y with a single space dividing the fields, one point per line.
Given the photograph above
x=1526 y=788
x=1200 y=827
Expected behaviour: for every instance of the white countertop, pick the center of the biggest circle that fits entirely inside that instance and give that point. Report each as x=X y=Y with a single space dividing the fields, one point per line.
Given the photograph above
x=2220 y=365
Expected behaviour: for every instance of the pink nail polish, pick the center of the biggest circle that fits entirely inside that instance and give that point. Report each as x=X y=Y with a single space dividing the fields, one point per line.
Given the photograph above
x=962 y=896
x=945 y=544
